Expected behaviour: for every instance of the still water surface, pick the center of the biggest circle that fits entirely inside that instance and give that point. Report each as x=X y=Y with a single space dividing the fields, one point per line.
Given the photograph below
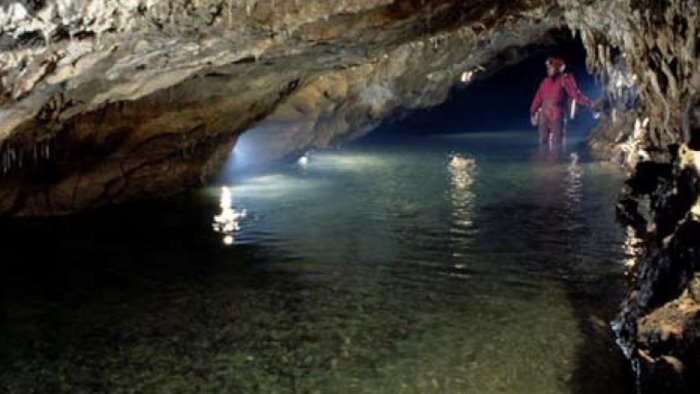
x=442 y=264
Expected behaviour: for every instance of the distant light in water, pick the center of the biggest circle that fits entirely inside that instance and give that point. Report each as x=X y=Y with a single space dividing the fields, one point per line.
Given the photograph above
x=268 y=186
x=228 y=221
x=574 y=158
x=350 y=162
x=573 y=183
x=461 y=169
x=303 y=161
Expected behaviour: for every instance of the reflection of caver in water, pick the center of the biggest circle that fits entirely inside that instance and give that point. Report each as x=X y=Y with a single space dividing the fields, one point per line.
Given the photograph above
x=548 y=109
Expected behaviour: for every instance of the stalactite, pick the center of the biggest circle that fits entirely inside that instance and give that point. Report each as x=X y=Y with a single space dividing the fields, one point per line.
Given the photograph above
x=21 y=160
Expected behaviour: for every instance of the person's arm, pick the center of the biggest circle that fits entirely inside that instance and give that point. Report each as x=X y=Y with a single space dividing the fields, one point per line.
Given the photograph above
x=536 y=101
x=575 y=94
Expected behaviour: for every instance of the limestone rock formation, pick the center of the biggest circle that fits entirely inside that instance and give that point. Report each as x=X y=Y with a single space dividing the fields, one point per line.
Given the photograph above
x=105 y=101
x=659 y=325
x=649 y=61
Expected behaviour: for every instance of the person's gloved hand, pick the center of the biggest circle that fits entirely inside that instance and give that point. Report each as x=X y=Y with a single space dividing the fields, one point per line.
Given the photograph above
x=535 y=119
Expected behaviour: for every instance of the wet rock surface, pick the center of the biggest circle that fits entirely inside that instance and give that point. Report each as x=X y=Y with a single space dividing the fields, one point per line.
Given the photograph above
x=102 y=82
x=121 y=91
x=107 y=102
x=659 y=325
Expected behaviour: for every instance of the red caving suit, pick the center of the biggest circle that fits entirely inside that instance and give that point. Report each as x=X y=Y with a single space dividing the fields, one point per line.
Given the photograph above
x=551 y=99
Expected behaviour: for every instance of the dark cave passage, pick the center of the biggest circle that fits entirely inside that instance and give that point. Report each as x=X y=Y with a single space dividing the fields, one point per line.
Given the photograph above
x=500 y=100
x=496 y=100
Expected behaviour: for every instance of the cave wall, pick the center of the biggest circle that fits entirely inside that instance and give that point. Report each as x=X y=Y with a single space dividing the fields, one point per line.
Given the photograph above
x=646 y=54
x=105 y=102
x=114 y=101
x=88 y=86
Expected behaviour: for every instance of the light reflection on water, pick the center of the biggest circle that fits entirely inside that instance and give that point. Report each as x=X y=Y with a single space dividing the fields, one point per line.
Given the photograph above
x=452 y=264
x=462 y=171
x=228 y=221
